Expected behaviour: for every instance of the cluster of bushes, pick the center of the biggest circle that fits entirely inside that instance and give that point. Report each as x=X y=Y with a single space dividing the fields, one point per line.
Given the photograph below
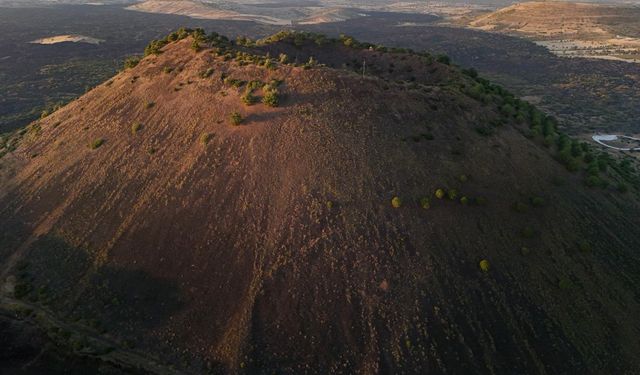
x=50 y=108
x=598 y=167
x=300 y=38
x=572 y=153
x=207 y=73
x=199 y=38
x=545 y=128
x=245 y=58
x=425 y=202
x=297 y=38
x=451 y=194
x=271 y=96
x=131 y=62
x=454 y=195
x=224 y=48
x=248 y=98
x=237 y=83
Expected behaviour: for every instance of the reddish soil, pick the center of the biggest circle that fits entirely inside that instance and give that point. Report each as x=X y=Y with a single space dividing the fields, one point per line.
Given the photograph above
x=227 y=256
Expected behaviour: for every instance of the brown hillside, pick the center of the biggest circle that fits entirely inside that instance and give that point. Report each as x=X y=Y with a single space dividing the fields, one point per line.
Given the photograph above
x=558 y=19
x=273 y=246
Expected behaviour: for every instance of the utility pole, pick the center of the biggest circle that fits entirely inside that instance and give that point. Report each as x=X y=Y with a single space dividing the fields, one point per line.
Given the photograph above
x=364 y=67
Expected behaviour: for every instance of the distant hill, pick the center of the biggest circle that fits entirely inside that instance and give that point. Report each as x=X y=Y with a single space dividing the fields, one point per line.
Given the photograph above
x=202 y=10
x=548 y=19
x=274 y=13
x=572 y=29
x=303 y=204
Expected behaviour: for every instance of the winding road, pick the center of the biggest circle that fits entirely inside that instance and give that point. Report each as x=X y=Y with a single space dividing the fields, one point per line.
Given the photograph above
x=602 y=138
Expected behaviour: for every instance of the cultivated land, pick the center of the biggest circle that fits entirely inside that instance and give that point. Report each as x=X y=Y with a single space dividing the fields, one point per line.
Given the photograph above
x=571 y=29
x=223 y=208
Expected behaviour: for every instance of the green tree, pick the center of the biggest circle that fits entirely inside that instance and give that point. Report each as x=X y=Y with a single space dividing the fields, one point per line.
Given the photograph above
x=248 y=98
x=452 y=194
x=484 y=265
x=131 y=62
x=236 y=118
x=96 y=143
x=425 y=203
x=135 y=128
x=155 y=47
x=195 y=45
x=271 y=98
x=396 y=202
x=205 y=138
x=443 y=59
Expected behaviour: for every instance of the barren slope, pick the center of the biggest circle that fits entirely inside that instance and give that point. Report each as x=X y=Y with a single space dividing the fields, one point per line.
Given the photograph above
x=273 y=246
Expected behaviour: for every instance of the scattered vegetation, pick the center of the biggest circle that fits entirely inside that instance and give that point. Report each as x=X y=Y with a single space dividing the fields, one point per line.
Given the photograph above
x=248 y=98
x=396 y=202
x=135 y=128
x=96 y=143
x=236 y=118
x=207 y=73
x=440 y=193
x=452 y=194
x=237 y=83
x=205 y=138
x=425 y=203
x=50 y=108
x=484 y=265
x=443 y=59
